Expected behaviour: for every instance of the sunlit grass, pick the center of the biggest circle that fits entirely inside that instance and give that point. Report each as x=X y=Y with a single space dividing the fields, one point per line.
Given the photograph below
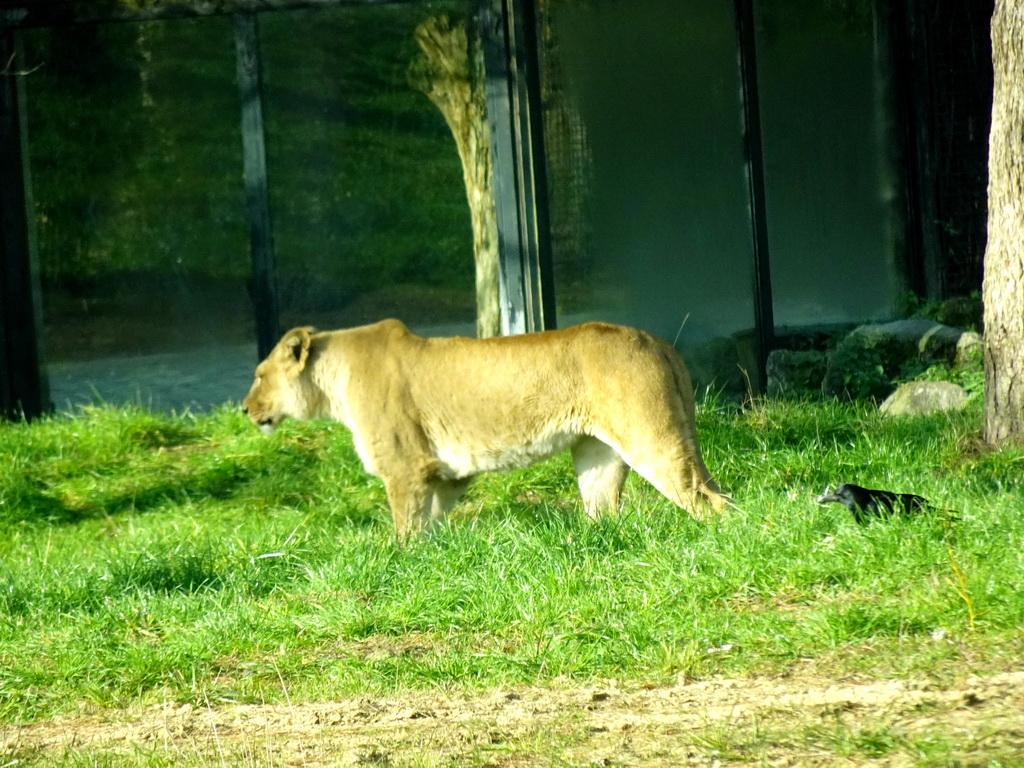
x=151 y=558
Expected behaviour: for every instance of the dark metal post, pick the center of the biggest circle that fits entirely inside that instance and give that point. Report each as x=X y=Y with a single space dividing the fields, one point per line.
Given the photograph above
x=22 y=386
x=493 y=38
x=507 y=35
x=534 y=218
x=254 y=155
x=764 y=316
x=913 y=83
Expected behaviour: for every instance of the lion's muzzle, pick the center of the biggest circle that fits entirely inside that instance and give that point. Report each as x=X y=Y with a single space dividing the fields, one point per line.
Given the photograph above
x=265 y=424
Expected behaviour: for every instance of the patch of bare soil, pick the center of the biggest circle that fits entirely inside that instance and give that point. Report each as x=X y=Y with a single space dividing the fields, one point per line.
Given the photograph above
x=796 y=721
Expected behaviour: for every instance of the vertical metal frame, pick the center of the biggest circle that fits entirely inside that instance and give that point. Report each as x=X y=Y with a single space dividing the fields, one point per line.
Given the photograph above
x=764 y=312
x=909 y=46
x=23 y=390
x=257 y=192
x=507 y=32
x=532 y=172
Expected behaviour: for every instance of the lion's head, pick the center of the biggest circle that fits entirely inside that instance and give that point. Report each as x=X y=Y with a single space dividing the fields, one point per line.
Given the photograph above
x=279 y=390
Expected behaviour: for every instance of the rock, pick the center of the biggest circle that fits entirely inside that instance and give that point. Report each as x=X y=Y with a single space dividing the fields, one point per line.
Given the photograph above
x=919 y=397
x=970 y=346
x=865 y=362
x=795 y=373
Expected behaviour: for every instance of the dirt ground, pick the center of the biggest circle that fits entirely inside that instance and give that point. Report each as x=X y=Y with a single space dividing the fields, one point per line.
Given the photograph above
x=793 y=721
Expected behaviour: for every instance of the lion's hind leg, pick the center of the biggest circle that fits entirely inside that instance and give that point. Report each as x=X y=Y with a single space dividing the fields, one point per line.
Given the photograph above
x=600 y=474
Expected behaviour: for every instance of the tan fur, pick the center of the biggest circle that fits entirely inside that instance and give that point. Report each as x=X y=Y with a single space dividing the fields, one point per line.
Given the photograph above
x=427 y=414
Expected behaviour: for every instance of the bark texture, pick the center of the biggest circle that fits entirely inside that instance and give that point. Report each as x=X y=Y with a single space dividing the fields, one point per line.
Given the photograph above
x=1003 y=289
x=451 y=73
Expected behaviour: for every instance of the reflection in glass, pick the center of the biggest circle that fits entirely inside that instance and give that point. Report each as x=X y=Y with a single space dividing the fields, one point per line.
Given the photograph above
x=367 y=197
x=647 y=175
x=140 y=213
x=831 y=186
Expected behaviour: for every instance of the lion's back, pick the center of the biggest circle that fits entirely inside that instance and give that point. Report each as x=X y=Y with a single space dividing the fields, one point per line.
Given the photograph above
x=534 y=395
x=527 y=374
x=547 y=370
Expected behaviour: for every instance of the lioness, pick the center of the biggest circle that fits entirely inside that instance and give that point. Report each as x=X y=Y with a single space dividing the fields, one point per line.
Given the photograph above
x=427 y=414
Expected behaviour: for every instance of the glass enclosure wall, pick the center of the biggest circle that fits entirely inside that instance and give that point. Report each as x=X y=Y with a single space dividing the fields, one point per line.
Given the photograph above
x=142 y=225
x=368 y=203
x=141 y=217
x=648 y=187
x=832 y=186
x=140 y=212
x=647 y=175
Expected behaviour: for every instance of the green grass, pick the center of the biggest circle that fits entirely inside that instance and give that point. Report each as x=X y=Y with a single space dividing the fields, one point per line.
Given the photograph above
x=151 y=558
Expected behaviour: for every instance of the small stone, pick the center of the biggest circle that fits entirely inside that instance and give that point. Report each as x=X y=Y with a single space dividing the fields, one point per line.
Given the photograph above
x=920 y=397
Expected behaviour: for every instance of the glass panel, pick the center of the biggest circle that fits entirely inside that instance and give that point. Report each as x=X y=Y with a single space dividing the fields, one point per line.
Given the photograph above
x=368 y=203
x=140 y=213
x=832 y=192
x=647 y=174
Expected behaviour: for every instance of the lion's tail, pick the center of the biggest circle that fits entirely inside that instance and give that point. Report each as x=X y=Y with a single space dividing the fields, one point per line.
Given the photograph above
x=706 y=485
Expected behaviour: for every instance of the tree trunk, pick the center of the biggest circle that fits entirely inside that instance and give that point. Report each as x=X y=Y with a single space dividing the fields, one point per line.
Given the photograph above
x=451 y=73
x=1003 y=290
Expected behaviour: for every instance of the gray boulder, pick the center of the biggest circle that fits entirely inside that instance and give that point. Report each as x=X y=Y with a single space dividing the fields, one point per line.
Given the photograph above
x=970 y=347
x=919 y=397
x=871 y=356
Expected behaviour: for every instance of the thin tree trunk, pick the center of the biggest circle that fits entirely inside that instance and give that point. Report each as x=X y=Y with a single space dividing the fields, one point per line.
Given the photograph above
x=450 y=73
x=1003 y=290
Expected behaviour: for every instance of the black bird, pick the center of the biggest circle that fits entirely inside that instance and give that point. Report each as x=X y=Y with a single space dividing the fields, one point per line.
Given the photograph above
x=865 y=502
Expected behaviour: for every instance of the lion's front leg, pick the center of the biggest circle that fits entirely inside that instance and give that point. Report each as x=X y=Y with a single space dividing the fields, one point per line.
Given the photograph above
x=410 y=500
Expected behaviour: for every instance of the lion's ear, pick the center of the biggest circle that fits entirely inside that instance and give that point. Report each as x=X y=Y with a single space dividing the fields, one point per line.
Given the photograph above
x=295 y=344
